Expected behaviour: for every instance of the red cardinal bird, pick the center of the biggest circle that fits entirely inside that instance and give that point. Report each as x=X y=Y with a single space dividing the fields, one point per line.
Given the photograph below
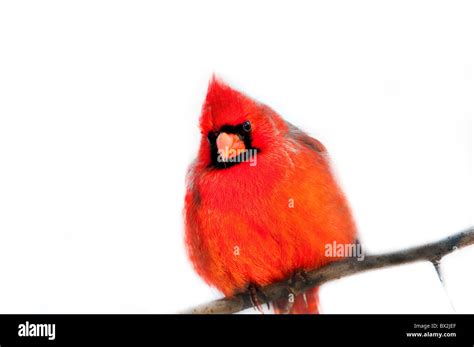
x=261 y=202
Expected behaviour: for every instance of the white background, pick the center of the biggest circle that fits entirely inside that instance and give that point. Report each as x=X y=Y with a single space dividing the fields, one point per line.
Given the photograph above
x=99 y=106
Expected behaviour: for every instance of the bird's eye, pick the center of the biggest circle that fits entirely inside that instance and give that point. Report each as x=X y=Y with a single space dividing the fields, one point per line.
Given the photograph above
x=247 y=126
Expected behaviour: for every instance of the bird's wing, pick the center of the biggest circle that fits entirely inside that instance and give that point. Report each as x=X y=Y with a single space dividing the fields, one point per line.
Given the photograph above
x=301 y=137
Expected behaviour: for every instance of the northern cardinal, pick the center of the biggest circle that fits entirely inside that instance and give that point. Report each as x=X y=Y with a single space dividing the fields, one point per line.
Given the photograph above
x=262 y=202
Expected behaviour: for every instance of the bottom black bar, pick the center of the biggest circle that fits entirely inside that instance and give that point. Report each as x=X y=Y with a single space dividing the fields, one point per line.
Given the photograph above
x=327 y=330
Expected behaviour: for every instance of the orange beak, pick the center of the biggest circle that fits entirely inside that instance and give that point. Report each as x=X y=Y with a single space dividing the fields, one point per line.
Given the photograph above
x=229 y=146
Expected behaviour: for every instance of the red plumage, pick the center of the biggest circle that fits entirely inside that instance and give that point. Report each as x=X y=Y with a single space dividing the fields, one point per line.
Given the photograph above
x=259 y=224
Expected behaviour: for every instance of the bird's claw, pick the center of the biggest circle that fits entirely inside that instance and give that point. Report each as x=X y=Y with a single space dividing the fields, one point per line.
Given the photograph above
x=299 y=276
x=254 y=292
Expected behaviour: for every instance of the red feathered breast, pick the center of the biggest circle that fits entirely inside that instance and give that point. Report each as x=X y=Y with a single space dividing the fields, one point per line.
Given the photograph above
x=260 y=224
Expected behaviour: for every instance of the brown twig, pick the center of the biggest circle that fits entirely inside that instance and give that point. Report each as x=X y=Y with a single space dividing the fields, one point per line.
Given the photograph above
x=430 y=252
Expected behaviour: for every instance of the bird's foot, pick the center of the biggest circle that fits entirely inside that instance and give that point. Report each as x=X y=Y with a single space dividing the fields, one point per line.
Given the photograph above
x=254 y=293
x=299 y=276
x=298 y=279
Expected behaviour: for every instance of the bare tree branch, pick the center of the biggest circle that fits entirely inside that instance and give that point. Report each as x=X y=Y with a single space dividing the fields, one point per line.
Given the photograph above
x=430 y=252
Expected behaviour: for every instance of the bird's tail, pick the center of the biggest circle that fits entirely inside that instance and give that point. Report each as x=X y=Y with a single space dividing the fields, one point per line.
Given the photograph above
x=305 y=303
